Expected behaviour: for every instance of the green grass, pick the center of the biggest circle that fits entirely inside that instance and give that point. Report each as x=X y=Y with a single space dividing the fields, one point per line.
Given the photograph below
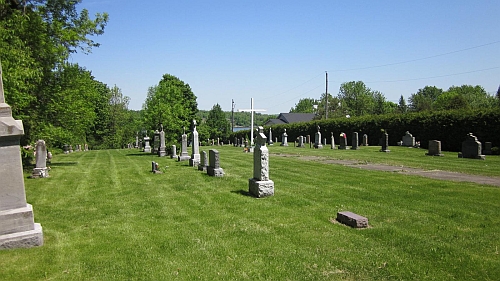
x=106 y=217
x=404 y=156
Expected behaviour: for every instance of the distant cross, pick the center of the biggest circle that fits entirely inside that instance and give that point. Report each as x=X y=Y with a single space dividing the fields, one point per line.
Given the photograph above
x=2 y=97
x=252 y=110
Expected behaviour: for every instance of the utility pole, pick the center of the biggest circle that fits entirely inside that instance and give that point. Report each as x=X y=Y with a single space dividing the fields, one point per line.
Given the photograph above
x=326 y=96
x=232 y=116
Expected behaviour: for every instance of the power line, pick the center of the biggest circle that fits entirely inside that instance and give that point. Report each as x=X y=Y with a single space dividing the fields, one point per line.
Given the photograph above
x=432 y=77
x=419 y=59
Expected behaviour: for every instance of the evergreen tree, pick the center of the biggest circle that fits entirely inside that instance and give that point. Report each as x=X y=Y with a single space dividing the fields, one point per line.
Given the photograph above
x=402 y=107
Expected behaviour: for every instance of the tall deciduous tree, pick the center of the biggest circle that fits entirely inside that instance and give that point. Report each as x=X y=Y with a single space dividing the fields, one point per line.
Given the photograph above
x=171 y=103
x=356 y=98
x=218 y=125
x=424 y=98
x=304 y=106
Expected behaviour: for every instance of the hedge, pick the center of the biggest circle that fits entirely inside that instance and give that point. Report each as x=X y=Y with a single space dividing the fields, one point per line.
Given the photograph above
x=449 y=127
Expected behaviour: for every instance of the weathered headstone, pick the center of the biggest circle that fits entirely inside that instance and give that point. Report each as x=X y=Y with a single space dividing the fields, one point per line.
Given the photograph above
x=17 y=226
x=203 y=162
x=156 y=142
x=308 y=139
x=301 y=141
x=40 y=170
x=260 y=185
x=408 y=140
x=195 y=155
x=487 y=148
x=70 y=148
x=317 y=139
x=174 y=152
x=270 y=139
x=471 y=148
x=385 y=143
x=136 y=141
x=365 y=140
x=343 y=141
x=155 y=168
x=355 y=141
x=147 y=147
x=352 y=219
x=66 y=149
x=284 y=139
x=332 y=139
x=184 y=156
x=214 y=168
x=162 y=151
x=434 y=148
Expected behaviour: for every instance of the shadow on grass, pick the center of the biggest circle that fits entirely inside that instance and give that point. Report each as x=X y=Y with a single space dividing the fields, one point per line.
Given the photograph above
x=62 y=164
x=242 y=192
x=142 y=154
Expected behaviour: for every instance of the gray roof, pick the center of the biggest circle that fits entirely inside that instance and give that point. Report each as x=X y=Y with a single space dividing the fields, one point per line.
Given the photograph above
x=296 y=117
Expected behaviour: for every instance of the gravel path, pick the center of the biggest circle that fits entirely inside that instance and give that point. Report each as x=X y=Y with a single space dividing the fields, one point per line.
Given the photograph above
x=434 y=174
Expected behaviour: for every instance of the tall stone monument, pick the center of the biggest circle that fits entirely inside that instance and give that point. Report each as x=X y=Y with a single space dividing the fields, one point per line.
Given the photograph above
x=270 y=139
x=195 y=155
x=385 y=143
x=147 y=147
x=317 y=139
x=184 y=153
x=284 y=139
x=162 y=151
x=260 y=185
x=17 y=226
x=332 y=142
x=40 y=170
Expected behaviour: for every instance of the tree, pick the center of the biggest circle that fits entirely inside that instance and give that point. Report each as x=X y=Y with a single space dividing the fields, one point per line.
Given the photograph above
x=424 y=98
x=171 y=103
x=356 y=98
x=402 y=107
x=217 y=123
x=474 y=96
x=498 y=96
x=304 y=106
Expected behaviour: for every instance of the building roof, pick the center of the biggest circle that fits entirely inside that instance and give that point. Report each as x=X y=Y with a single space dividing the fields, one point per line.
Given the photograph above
x=287 y=118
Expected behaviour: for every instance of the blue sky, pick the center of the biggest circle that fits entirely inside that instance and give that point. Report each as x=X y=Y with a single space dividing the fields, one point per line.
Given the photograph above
x=277 y=52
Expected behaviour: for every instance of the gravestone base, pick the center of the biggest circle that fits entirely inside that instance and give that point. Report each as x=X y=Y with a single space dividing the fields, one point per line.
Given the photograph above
x=183 y=157
x=215 y=172
x=284 y=144
x=352 y=219
x=195 y=160
x=260 y=189
x=202 y=167
x=318 y=146
x=385 y=150
x=147 y=149
x=435 y=154
x=18 y=230
x=162 y=152
x=343 y=148
x=40 y=173
x=480 y=157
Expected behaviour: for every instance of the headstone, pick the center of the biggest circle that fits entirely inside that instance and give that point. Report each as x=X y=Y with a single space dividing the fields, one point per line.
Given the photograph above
x=284 y=139
x=156 y=142
x=40 y=170
x=260 y=185
x=355 y=141
x=70 y=148
x=203 y=162
x=155 y=168
x=365 y=140
x=332 y=142
x=174 y=152
x=162 y=151
x=235 y=141
x=301 y=141
x=195 y=155
x=214 y=168
x=147 y=147
x=270 y=137
x=471 y=148
x=385 y=143
x=317 y=139
x=487 y=148
x=343 y=141
x=408 y=140
x=17 y=226
x=184 y=156
x=308 y=139
x=66 y=149
x=218 y=141
x=86 y=147
x=434 y=148
x=324 y=142
x=352 y=219
x=136 y=141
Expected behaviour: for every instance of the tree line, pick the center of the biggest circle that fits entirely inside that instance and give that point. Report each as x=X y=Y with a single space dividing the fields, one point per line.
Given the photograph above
x=356 y=99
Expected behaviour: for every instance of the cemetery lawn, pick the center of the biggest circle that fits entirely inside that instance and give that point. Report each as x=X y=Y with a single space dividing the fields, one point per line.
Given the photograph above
x=105 y=216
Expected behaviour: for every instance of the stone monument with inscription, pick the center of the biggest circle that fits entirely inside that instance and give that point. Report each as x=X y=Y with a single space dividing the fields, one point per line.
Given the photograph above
x=260 y=185
x=40 y=170
x=195 y=155
x=17 y=226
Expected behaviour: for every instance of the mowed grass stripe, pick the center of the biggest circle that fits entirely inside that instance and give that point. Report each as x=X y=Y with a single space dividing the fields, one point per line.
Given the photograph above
x=183 y=224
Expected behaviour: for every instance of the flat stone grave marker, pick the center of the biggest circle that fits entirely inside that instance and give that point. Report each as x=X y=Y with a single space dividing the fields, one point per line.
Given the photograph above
x=352 y=219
